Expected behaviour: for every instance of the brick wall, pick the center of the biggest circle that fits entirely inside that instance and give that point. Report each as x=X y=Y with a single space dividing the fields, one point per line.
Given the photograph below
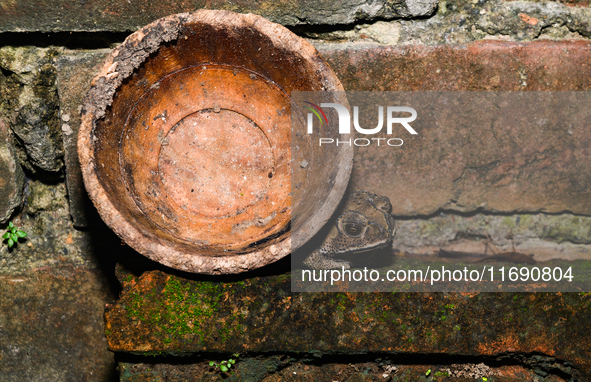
x=535 y=198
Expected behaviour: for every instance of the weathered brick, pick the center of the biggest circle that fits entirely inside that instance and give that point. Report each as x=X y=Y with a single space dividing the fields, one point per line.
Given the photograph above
x=528 y=20
x=160 y=313
x=529 y=171
x=111 y=15
x=481 y=66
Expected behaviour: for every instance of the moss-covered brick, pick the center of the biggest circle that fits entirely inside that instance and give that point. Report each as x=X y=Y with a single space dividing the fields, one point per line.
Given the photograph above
x=159 y=313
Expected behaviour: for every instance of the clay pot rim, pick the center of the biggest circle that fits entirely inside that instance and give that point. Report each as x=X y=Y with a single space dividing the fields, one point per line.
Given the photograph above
x=100 y=96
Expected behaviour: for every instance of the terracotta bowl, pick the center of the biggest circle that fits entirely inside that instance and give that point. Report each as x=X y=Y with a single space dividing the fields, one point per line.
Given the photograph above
x=185 y=142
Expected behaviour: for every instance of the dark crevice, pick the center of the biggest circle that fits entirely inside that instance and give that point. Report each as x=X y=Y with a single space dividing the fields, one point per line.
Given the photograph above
x=311 y=30
x=137 y=264
x=34 y=172
x=481 y=211
x=319 y=31
x=540 y=364
x=107 y=249
x=5 y=72
x=70 y=40
x=101 y=40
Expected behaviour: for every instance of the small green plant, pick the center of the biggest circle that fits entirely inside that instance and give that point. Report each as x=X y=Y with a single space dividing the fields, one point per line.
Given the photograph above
x=13 y=234
x=224 y=366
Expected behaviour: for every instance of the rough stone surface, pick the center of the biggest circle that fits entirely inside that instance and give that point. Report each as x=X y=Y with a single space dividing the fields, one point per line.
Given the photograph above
x=526 y=21
x=75 y=72
x=461 y=22
x=545 y=236
x=12 y=178
x=497 y=178
x=53 y=287
x=159 y=313
x=51 y=327
x=29 y=103
x=52 y=240
x=61 y=15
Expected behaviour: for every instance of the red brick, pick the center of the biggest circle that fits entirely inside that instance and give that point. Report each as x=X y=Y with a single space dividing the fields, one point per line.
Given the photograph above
x=159 y=313
x=436 y=171
x=484 y=65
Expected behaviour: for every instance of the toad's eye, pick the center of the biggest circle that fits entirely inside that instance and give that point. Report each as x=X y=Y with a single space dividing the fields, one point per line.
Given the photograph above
x=353 y=229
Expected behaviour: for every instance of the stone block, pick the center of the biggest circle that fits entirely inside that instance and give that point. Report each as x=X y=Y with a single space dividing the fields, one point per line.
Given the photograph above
x=545 y=236
x=459 y=22
x=108 y=15
x=159 y=313
x=29 y=101
x=52 y=241
x=479 y=66
x=12 y=178
x=51 y=327
x=530 y=171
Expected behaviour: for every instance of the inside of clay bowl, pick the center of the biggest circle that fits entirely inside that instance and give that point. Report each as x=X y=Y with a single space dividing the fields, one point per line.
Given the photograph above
x=185 y=142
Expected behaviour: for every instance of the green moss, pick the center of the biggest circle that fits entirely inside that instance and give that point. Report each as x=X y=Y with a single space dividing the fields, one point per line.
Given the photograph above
x=440 y=375
x=509 y=222
x=569 y=228
x=184 y=308
x=339 y=301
